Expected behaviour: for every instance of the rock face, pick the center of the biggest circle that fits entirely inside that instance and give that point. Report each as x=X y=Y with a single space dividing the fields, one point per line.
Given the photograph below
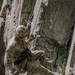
x=58 y=19
x=54 y=24
x=2 y=47
x=57 y=23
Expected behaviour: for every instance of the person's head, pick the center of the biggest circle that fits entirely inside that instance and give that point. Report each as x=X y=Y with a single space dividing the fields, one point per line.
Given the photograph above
x=21 y=31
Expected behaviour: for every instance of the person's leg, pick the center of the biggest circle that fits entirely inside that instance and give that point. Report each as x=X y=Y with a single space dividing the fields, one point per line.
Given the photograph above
x=34 y=67
x=46 y=62
x=40 y=55
x=45 y=71
x=36 y=55
x=38 y=70
x=16 y=73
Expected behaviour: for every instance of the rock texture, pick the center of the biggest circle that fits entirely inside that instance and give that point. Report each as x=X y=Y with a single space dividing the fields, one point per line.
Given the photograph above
x=2 y=47
x=55 y=25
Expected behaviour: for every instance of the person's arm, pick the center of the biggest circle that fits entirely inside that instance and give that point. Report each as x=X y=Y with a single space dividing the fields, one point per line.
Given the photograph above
x=27 y=41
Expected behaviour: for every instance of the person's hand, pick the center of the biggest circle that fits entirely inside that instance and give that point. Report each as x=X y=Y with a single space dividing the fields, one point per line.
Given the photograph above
x=28 y=22
x=32 y=37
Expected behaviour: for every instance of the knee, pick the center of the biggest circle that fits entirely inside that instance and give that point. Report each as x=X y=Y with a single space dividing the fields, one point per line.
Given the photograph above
x=42 y=53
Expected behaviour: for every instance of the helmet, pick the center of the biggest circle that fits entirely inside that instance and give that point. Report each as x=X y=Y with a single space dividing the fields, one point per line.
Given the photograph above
x=21 y=31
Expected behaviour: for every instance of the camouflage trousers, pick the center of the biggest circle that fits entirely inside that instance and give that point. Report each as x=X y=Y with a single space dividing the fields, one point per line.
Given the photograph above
x=37 y=55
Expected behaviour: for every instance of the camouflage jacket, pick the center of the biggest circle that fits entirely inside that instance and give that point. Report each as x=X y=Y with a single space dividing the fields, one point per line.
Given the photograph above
x=14 y=49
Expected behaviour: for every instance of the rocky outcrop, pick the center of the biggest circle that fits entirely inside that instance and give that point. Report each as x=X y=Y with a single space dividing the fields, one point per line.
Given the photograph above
x=52 y=22
x=57 y=22
x=2 y=47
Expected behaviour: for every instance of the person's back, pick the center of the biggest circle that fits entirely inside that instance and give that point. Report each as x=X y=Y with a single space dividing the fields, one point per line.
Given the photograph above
x=13 y=50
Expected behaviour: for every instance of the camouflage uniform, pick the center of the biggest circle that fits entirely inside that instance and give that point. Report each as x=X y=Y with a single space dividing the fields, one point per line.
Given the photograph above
x=13 y=51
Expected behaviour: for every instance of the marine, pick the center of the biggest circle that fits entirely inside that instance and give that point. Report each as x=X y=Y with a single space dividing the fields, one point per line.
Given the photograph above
x=17 y=46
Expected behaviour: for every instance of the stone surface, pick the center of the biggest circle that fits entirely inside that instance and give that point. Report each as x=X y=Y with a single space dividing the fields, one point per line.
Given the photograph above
x=56 y=23
x=2 y=47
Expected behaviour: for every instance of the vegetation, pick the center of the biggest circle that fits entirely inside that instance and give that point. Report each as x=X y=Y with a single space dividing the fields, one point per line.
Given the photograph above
x=61 y=51
x=1 y=1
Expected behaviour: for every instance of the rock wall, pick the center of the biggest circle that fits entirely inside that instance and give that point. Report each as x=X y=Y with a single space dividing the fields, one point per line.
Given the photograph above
x=2 y=47
x=56 y=24
x=56 y=30
x=57 y=20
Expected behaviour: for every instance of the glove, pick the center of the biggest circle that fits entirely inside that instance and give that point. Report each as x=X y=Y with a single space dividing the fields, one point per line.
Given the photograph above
x=32 y=37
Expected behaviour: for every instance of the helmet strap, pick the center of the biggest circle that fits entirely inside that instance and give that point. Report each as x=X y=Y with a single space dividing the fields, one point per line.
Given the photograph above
x=22 y=39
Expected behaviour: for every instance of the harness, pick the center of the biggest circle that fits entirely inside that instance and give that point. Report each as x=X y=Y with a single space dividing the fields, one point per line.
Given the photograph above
x=24 y=57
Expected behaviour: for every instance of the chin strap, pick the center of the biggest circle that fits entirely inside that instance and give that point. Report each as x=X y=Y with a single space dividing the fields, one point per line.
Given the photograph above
x=22 y=39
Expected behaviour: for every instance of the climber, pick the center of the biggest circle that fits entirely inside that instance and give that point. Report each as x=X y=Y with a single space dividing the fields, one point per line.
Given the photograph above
x=16 y=47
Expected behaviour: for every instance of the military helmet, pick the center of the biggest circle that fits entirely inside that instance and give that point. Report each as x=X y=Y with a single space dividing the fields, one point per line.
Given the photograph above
x=21 y=31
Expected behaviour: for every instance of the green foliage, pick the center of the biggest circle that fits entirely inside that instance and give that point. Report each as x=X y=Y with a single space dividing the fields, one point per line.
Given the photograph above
x=63 y=66
x=1 y=1
x=61 y=51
